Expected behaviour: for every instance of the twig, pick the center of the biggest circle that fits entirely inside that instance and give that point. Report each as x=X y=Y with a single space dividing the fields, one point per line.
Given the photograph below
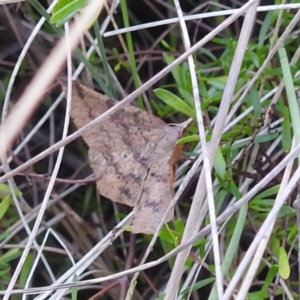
x=105 y=290
x=129 y=261
x=69 y=181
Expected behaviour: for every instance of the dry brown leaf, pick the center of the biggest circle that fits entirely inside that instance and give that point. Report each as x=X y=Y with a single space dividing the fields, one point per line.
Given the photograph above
x=132 y=153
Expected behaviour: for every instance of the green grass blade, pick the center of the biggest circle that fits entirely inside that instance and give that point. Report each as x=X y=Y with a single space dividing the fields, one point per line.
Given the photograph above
x=175 y=102
x=104 y=59
x=291 y=95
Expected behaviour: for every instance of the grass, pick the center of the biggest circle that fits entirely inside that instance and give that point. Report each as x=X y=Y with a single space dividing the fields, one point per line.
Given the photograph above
x=235 y=230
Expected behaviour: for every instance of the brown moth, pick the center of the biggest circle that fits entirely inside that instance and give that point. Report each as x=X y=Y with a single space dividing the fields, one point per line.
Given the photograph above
x=132 y=154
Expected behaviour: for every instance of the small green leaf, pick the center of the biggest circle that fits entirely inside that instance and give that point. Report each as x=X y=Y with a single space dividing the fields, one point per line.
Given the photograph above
x=254 y=96
x=218 y=82
x=64 y=12
x=219 y=163
x=4 y=205
x=286 y=130
x=275 y=246
x=188 y=139
x=59 y=5
x=175 y=102
x=169 y=235
x=4 y=235
x=175 y=71
x=256 y=296
x=117 y=67
x=74 y=290
x=127 y=228
x=200 y=242
x=198 y=285
x=179 y=225
x=239 y=144
x=6 y=190
x=26 y=269
x=4 y=270
x=264 y=30
x=265 y=137
x=166 y=45
x=254 y=57
x=220 y=198
x=234 y=190
x=292 y=232
x=285 y=210
x=10 y=255
x=187 y=96
x=120 y=215
x=190 y=154
x=266 y=193
x=283 y=264
x=208 y=53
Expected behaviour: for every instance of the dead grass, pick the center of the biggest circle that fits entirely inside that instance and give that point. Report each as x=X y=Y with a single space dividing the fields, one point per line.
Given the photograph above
x=69 y=243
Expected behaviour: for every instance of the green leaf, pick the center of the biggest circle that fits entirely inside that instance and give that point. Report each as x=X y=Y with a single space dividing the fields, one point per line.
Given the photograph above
x=4 y=205
x=127 y=228
x=203 y=89
x=175 y=71
x=198 y=285
x=10 y=255
x=219 y=163
x=65 y=11
x=188 y=139
x=292 y=232
x=253 y=57
x=254 y=96
x=179 y=225
x=266 y=193
x=187 y=96
x=269 y=278
x=74 y=290
x=234 y=190
x=190 y=154
x=4 y=235
x=169 y=235
x=166 y=45
x=6 y=190
x=285 y=210
x=218 y=82
x=283 y=264
x=265 y=137
x=26 y=269
x=175 y=102
x=60 y=5
x=219 y=199
x=201 y=242
x=257 y=296
x=265 y=28
x=239 y=144
x=94 y=73
x=275 y=246
x=4 y=271
x=208 y=53
x=286 y=130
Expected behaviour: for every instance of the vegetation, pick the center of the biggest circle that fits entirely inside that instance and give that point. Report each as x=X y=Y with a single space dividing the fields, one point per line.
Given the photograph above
x=235 y=230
